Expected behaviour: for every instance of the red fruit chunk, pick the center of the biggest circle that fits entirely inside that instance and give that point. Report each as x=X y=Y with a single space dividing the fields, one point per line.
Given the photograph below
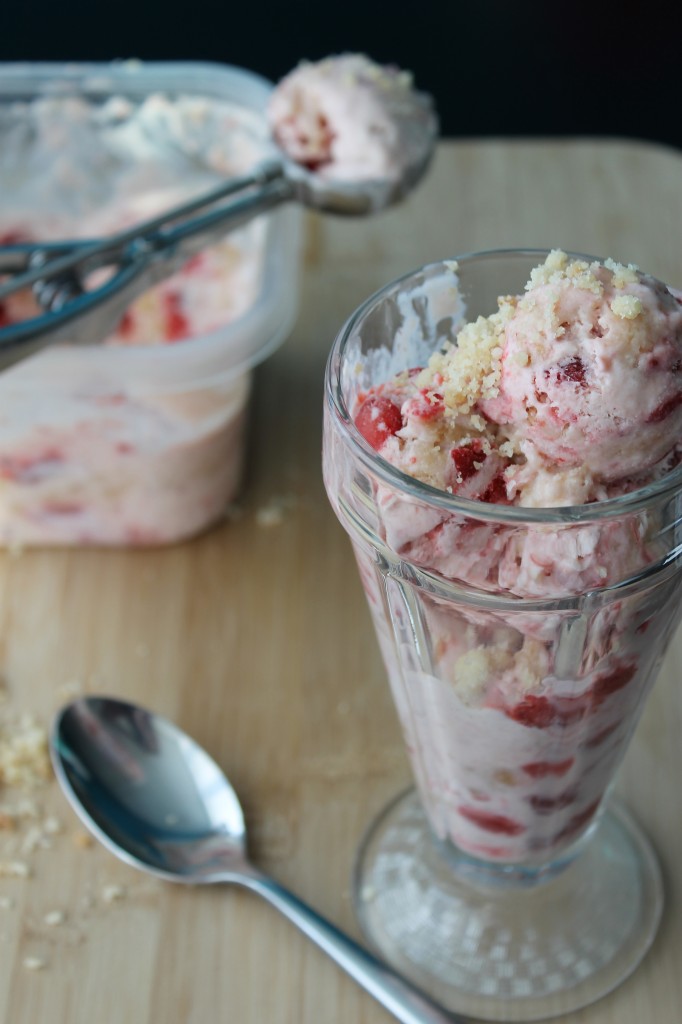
x=612 y=681
x=496 y=492
x=177 y=324
x=26 y=468
x=572 y=370
x=598 y=738
x=466 y=458
x=664 y=410
x=377 y=419
x=13 y=237
x=4 y=315
x=492 y=822
x=541 y=769
x=195 y=264
x=539 y=712
x=126 y=324
x=536 y=712
x=547 y=804
x=430 y=406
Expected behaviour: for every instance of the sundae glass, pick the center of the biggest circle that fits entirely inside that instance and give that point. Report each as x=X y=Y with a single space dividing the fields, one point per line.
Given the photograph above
x=517 y=529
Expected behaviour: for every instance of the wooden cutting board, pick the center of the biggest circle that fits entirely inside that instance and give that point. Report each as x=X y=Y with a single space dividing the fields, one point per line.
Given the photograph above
x=255 y=638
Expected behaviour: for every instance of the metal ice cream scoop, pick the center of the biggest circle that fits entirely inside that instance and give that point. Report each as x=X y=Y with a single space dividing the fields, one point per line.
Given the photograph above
x=143 y=255
x=154 y=798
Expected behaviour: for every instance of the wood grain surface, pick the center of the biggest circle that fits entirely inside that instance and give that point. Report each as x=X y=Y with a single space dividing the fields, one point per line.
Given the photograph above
x=256 y=639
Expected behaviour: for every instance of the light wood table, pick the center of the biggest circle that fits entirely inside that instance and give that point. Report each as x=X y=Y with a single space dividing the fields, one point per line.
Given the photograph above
x=255 y=638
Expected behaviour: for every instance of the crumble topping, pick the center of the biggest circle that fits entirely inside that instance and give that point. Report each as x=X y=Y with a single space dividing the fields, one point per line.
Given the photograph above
x=479 y=666
x=470 y=370
x=464 y=373
x=627 y=307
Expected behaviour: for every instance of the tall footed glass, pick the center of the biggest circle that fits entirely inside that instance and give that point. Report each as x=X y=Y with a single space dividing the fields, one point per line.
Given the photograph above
x=520 y=646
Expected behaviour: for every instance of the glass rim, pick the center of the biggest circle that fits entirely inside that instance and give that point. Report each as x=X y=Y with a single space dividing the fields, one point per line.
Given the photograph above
x=632 y=502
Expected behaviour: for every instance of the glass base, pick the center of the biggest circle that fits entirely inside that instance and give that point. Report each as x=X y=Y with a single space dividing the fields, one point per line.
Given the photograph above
x=504 y=952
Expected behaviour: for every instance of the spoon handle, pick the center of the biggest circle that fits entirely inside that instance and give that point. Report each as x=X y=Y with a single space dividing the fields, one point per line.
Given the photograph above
x=395 y=994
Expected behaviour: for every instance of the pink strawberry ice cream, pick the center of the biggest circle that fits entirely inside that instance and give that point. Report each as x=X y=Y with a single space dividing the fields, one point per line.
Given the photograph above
x=590 y=373
x=138 y=440
x=348 y=118
x=521 y=660
x=72 y=169
x=567 y=395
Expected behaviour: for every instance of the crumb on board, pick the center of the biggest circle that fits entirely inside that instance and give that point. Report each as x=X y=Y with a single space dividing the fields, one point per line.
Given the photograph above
x=113 y=893
x=274 y=511
x=24 y=757
x=14 y=869
x=53 y=918
x=34 y=963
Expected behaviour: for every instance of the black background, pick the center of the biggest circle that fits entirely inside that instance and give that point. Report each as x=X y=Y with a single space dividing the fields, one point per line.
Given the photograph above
x=494 y=67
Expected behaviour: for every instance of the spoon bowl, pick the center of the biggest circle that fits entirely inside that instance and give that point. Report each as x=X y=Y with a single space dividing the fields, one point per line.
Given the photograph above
x=344 y=197
x=148 y=792
x=155 y=799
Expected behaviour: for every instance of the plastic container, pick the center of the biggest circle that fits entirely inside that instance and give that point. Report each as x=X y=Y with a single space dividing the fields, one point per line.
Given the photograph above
x=137 y=445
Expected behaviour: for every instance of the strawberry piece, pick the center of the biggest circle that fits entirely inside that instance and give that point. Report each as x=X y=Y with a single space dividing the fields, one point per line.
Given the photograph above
x=664 y=410
x=429 y=407
x=599 y=737
x=541 y=769
x=572 y=370
x=466 y=458
x=548 y=804
x=26 y=468
x=176 y=323
x=496 y=491
x=377 y=419
x=195 y=264
x=492 y=822
x=13 y=237
x=126 y=324
x=535 y=712
x=611 y=682
x=540 y=713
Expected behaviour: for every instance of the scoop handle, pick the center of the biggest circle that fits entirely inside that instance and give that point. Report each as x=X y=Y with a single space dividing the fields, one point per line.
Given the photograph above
x=82 y=316
x=395 y=994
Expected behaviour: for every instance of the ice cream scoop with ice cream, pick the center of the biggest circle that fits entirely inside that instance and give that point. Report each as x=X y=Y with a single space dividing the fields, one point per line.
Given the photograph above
x=349 y=118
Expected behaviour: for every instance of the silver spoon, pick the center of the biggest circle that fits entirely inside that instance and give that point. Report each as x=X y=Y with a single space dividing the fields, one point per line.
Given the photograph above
x=154 y=798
